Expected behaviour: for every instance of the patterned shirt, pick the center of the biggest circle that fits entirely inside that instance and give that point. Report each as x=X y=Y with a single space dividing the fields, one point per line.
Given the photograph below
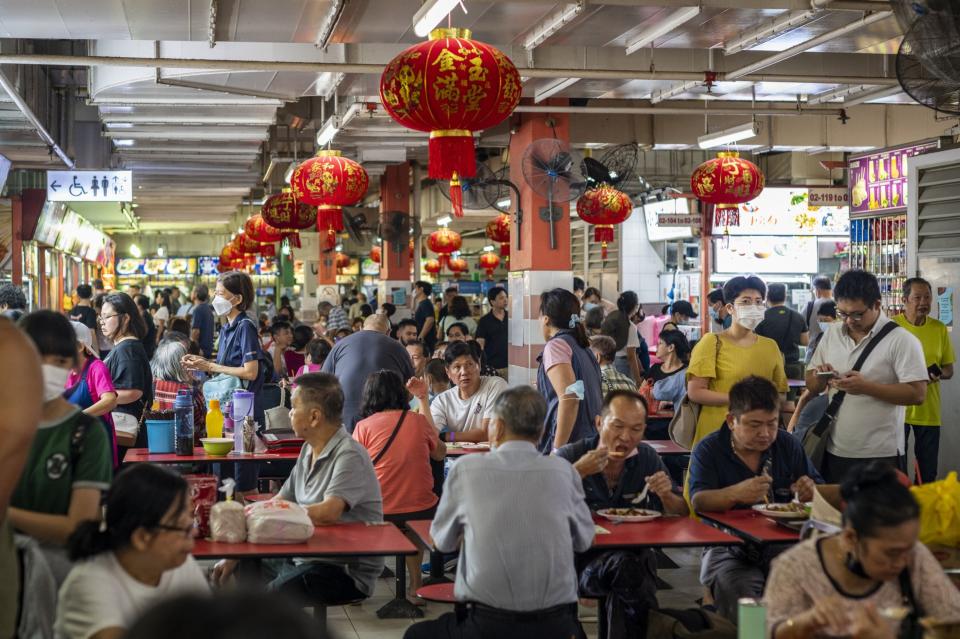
x=611 y=379
x=337 y=319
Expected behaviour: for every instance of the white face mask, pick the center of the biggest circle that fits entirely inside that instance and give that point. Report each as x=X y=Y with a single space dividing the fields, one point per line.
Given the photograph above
x=54 y=381
x=221 y=305
x=824 y=326
x=749 y=317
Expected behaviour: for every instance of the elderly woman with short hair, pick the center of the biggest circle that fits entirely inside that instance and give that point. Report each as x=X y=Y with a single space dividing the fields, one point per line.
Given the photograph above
x=170 y=377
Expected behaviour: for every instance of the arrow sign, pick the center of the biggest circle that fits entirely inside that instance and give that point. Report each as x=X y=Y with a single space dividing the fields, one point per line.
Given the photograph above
x=100 y=185
x=54 y=186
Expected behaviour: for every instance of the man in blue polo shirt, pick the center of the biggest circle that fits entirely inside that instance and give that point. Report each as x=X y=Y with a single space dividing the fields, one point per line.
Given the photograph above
x=615 y=467
x=746 y=462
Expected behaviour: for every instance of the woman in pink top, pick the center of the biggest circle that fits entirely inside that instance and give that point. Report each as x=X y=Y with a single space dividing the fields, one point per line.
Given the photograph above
x=90 y=386
x=842 y=585
x=401 y=444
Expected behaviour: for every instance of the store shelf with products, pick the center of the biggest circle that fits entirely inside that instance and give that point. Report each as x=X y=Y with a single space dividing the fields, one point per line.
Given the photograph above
x=879 y=244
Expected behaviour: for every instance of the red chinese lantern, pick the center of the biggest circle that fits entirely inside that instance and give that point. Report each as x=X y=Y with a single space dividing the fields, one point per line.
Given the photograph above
x=498 y=230
x=343 y=261
x=376 y=254
x=433 y=267
x=488 y=262
x=329 y=182
x=257 y=228
x=727 y=181
x=505 y=252
x=246 y=245
x=603 y=207
x=282 y=211
x=268 y=250
x=443 y=241
x=457 y=266
x=450 y=86
x=410 y=245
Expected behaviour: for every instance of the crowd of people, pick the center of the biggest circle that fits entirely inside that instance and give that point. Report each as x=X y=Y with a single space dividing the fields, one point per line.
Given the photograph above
x=379 y=393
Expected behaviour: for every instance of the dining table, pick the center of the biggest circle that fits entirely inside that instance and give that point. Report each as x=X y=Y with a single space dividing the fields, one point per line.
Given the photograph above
x=200 y=456
x=750 y=526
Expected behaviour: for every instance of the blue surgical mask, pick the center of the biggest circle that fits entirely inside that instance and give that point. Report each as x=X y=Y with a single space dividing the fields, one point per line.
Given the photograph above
x=714 y=315
x=589 y=305
x=824 y=326
x=576 y=388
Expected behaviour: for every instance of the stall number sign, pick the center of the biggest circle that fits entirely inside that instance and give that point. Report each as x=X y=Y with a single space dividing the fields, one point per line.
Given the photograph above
x=673 y=219
x=90 y=186
x=828 y=196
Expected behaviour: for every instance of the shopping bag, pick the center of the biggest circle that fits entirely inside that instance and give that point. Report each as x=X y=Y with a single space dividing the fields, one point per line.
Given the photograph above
x=939 y=511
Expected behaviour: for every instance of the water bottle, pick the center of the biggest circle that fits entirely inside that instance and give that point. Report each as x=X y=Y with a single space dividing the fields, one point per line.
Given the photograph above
x=183 y=422
x=214 y=419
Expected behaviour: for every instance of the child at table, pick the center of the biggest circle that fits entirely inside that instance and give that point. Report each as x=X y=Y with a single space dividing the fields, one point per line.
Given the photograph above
x=334 y=480
x=138 y=556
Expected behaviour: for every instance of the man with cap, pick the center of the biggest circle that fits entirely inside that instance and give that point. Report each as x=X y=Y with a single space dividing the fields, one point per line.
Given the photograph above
x=681 y=312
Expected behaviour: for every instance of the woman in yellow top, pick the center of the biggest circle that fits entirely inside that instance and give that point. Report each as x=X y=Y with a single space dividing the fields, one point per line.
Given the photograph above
x=720 y=360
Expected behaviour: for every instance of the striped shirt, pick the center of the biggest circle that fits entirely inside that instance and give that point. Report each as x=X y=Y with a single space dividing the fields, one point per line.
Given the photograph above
x=611 y=379
x=337 y=319
x=521 y=516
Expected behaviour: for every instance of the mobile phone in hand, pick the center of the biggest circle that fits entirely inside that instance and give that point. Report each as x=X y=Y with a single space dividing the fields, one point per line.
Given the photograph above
x=828 y=374
x=934 y=370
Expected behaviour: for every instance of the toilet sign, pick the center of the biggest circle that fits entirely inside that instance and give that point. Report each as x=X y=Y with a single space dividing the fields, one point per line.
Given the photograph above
x=90 y=186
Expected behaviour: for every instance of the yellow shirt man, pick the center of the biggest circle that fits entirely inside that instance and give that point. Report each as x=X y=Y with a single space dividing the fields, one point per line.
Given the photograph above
x=938 y=350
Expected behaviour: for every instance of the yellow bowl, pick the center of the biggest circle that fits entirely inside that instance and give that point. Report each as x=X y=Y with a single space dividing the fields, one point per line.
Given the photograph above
x=217 y=446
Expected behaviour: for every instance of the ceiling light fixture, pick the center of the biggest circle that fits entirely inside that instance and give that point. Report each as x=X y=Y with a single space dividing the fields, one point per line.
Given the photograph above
x=728 y=136
x=135 y=251
x=867 y=96
x=552 y=24
x=329 y=23
x=123 y=142
x=444 y=221
x=488 y=247
x=504 y=203
x=327 y=83
x=160 y=250
x=776 y=27
x=288 y=174
x=430 y=13
x=676 y=19
x=554 y=88
x=328 y=131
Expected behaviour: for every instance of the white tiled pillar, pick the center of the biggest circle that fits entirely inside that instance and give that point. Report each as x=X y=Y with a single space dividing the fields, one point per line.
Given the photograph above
x=640 y=264
x=526 y=335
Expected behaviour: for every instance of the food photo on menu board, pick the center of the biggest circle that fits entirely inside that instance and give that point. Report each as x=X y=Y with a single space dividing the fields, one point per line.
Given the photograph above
x=878 y=182
x=786 y=211
x=766 y=254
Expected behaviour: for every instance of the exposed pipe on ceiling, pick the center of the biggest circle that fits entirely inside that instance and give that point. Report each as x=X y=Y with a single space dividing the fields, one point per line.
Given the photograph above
x=791 y=5
x=32 y=118
x=792 y=111
x=376 y=69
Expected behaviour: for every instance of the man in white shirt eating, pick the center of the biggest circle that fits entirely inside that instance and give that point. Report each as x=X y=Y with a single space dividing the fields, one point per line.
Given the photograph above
x=464 y=412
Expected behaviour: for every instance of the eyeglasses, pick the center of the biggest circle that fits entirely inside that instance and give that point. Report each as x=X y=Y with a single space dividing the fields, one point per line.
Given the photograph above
x=104 y=318
x=186 y=531
x=856 y=317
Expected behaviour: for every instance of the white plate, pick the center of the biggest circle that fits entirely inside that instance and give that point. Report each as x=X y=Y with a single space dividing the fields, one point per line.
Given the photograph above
x=475 y=446
x=778 y=514
x=649 y=515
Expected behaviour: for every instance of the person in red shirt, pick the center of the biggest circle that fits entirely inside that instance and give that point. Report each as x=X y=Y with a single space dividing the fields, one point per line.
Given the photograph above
x=401 y=444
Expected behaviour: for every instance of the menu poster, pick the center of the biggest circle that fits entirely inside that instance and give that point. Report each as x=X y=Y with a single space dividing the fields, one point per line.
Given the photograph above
x=766 y=254
x=48 y=226
x=878 y=182
x=208 y=265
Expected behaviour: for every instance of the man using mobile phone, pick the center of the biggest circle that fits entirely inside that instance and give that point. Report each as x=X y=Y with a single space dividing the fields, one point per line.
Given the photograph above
x=924 y=420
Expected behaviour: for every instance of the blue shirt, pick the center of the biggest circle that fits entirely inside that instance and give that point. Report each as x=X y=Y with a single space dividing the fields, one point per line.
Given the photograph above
x=203 y=321
x=636 y=469
x=714 y=465
x=239 y=343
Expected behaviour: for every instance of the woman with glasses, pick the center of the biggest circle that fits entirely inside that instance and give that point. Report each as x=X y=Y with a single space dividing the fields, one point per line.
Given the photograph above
x=136 y=557
x=129 y=366
x=720 y=360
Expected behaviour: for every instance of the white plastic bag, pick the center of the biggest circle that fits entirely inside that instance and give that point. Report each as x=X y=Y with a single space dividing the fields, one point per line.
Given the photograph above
x=278 y=522
x=227 y=520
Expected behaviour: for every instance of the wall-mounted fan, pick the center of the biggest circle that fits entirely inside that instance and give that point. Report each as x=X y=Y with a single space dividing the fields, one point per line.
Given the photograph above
x=356 y=225
x=928 y=61
x=479 y=192
x=396 y=228
x=553 y=171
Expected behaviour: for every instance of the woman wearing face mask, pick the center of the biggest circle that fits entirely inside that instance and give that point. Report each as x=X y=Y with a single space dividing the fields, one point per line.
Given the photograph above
x=238 y=352
x=129 y=366
x=842 y=585
x=70 y=462
x=138 y=556
x=720 y=360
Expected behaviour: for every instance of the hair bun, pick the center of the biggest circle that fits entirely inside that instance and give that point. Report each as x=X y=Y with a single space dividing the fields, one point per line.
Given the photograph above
x=873 y=476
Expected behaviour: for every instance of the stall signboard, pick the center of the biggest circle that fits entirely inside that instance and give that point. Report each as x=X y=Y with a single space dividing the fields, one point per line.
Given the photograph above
x=665 y=220
x=48 y=225
x=878 y=182
x=670 y=211
x=101 y=185
x=828 y=196
x=787 y=211
x=158 y=266
x=766 y=254
x=369 y=267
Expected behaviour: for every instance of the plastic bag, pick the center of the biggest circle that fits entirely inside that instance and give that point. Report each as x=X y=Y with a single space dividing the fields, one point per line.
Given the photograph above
x=228 y=522
x=278 y=522
x=939 y=511
x=203 y=495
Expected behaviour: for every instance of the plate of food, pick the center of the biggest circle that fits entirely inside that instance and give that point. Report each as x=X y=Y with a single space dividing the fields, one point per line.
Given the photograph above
x=629 y=514
x=790 y=510
x=475 y=446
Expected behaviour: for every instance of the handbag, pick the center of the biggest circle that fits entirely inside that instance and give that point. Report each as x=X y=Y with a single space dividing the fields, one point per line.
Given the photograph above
x=683 y=426
x=278 y=417
x=221 y=387
x=910 y=627
x=393 y=435
x=815 y=439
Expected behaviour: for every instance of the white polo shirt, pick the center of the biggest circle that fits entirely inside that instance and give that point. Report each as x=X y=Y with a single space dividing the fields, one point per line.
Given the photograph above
x=866 y=426
x=451 y=412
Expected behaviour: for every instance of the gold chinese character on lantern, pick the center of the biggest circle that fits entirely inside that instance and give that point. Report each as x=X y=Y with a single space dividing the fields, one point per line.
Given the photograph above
x=445 y=89
x=478 y=73
x=447 y=60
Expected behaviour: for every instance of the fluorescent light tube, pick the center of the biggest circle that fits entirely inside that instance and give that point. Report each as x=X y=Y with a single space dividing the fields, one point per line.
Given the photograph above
x=123 y=142
x=488 y=247
x=662 y=28
x=327 y=131
x=728 y=136
x=504 y=203
x=552 y=24
x=554 y=88
x=445 y=220
x=430 y=14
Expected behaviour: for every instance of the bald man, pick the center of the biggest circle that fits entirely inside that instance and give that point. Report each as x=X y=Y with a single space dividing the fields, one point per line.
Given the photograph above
x=367 y=351
x=22 y=400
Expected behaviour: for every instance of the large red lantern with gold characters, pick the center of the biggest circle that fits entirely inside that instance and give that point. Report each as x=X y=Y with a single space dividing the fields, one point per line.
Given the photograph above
x=444 y=242
x=282 y=211
x=603 y=207
x=329 y=181
x=488 y=262
x=257 y=228
x=498 y=230
x=450 y=86
x=245 y=244
x=457 y=266
x=432 y=267
x=727 y=181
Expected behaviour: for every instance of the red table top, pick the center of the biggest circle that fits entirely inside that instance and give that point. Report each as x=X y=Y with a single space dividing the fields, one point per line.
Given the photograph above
x=337 y=540
x=751 y=526
x=442 y=593
x=141 y=455
x=666 y=532
x=456 y=452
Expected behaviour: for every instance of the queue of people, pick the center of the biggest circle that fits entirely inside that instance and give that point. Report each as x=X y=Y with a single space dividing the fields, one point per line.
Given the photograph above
x=377 y=409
